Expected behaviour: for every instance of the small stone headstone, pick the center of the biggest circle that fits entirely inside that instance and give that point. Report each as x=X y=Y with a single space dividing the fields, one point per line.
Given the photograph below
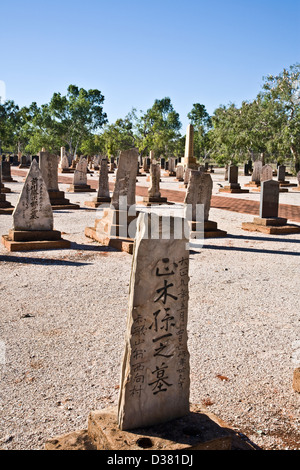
x=233 y=174
x=257 y=169
x=269 y=199
x=103 y=190
x=155 y=379
x=80 y=174
x=33 y=210
x=281 y=173
x=266 y=173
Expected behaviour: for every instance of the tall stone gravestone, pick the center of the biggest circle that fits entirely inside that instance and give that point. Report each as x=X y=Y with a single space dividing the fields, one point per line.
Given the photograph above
x=281 y=177
x=80 y=184
x=197 y=206
x=103 y=195
x=113 y=228
x=154 y=195
x=6 y=172
x=234 y=186
x=256 y=175
x=48 y=164
x=268 y=220
x=189 y=159
x=154 y=411
x=33 y=217
x=5 y=206
x=155 y=378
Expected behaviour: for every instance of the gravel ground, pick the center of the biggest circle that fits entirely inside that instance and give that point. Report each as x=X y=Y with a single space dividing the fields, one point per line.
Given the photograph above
x=63 y=316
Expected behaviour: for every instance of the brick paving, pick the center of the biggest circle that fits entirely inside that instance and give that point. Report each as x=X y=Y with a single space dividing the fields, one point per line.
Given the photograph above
x=243 y=206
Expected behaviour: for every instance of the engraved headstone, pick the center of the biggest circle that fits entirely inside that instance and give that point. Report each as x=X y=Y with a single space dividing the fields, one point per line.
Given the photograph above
x=49 y=169
x=80 y=174
x=269 y=199
x=281 y=173
x=33 y=210
x=103 y=189
x=233 y=174
x=155 y=373
x=256 y=175
x=266 y=173
x=154 y=191
x=199 y=191
x=125 y=185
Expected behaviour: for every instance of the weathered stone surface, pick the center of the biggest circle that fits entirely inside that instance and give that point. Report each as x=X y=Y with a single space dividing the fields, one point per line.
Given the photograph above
x=125 y=185
x=189 y=146
x=266 y=173
x=103 y=189
x=155 y=373
x=49 y=168
x=180 y=173
x=269 y=199
x=281 y=172
x=187 y=173
x=80 y=174
x=33 y=210
x=296 y=380
x=154 y=191
x=199 y=191
x=257 y=169
x=233 y=172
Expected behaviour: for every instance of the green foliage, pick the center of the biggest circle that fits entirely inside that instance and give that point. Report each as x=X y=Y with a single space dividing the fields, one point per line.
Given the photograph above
x=202 y=124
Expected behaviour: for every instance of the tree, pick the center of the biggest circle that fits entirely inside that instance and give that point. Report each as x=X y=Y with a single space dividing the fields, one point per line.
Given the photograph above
x=158 y=129
x=281 y=96
x=202 y=124
x=68 y=120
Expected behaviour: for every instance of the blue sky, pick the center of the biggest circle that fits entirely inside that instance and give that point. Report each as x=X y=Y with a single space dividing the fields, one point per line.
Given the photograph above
x=211 y=52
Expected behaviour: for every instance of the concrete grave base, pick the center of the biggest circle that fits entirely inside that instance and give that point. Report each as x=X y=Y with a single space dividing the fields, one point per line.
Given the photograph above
x=80 y=188
x=228 y=189
x=34 y=240
x=252 y=184
x=99 y=201
x=112 y=230
x=286 y=184
x=296 y=189
x=7 y=211
x=210 y=230
x=281 y=190
x=271 y=226
x=121 y=244
x=199 y=430
x=150 y=201
x=59 y=202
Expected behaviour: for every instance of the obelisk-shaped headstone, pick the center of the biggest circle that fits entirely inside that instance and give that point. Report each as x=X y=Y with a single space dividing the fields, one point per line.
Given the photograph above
x=33 y=211
x=103 y=189
x=155 y=373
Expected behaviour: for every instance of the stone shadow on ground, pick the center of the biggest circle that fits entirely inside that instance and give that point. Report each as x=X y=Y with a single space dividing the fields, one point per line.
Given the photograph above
x=40 y=261
x=264 y=239
x=245 y=250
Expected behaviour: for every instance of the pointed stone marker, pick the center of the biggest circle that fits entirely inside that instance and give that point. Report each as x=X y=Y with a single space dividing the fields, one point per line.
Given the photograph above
x=48 y=164
x=155 y=373
x=80 y=178
x=154 y=195
x=33 y=217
